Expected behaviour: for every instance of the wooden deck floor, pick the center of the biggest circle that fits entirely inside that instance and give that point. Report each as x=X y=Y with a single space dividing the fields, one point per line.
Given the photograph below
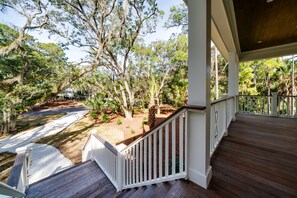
x=257 y=159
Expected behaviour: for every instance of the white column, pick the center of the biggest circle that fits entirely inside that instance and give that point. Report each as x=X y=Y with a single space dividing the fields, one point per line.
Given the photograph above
x=233 y=74
x=199 y=169
x=233 y=81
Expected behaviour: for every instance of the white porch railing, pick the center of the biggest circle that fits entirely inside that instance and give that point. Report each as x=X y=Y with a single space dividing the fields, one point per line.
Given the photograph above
x=222 y=112
x=159 y=156
x=255 y=104
x=287 y=106
x=274 y=105
x=106 y=156
x=18 y=179
x=7 y=191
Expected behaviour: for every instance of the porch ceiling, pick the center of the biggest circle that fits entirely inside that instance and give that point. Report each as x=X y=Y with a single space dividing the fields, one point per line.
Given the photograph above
x=262 y=28
x=265 y=23
x=254 y=29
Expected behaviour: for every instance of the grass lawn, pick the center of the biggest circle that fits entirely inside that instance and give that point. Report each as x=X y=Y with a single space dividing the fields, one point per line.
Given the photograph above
x=6 y=163
x=71 y=140
x=30 y=122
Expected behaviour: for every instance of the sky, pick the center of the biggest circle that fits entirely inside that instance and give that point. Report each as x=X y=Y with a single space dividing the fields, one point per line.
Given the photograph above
x=74 y=54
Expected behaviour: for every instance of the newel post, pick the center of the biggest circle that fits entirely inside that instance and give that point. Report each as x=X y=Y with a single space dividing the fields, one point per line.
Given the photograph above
x=274 y=104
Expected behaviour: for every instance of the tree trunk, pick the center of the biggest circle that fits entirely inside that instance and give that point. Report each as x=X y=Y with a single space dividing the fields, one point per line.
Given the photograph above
x=152 y=100
x=128 y=113
x=158 y=105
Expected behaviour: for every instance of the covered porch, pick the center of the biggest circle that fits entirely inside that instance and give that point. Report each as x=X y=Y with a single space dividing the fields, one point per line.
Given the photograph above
x=257 y=159
x=242 y=30
x=207 y=148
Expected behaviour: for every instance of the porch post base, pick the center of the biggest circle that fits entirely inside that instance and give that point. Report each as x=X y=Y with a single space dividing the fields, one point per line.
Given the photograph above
x=199 y=178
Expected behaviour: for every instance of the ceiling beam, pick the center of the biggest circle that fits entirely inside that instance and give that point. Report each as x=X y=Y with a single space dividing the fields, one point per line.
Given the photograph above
x=230 y=12
x=281 y=50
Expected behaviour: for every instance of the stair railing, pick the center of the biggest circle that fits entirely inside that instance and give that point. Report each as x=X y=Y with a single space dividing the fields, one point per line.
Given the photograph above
x=159 y=155
x=18 y=181
x=10 y=191
x=106 y=156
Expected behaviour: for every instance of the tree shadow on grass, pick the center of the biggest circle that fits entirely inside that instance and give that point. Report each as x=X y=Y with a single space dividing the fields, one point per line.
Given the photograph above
x=63 y=137
x=6 y=163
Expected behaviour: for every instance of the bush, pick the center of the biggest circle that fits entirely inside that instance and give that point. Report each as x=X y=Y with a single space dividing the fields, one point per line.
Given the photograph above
x=105 y=118
x=144 y=121
x=119 y=121
x=94 y=114
x=132 y=131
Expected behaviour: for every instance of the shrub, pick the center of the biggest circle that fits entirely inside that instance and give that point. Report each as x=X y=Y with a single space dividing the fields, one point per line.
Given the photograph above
x=132 y=131
x=119 y=121
x=94 y=114
x=105 y=118
x=144 y=120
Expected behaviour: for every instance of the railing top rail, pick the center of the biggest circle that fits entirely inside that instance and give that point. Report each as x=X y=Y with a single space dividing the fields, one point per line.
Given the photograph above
x=192 y=107
x=287 y=96
x=267 y=95
x=256 y=95
x=10 y=191
x=15 y=174
x=105 y=143
x=221 y=100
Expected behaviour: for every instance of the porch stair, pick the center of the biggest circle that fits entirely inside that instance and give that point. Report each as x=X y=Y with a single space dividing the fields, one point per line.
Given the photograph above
x=88 y=180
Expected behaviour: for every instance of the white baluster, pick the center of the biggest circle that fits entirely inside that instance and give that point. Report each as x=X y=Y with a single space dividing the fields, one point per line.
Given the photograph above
x=130 y=167
x=137 y=162
x=150 y=157
x=160 y=153
x=166 y=149
x=133 y=164
x=181 y=143
x=141 y=165
x=173 y=145
x=155 y=155
x=186 y=142
x=145 y=159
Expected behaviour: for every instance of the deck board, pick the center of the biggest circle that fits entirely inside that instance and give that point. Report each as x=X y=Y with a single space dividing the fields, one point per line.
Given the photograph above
x=257 y=159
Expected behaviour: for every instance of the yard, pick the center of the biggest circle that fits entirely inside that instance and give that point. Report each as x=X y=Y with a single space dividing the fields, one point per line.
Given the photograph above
x=71 y=141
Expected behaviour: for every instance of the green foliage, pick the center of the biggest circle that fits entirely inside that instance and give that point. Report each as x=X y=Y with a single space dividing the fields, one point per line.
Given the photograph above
x=119 y=121
x=132 y=131
x=105 y=118
x=94 y=114
x=101 y=103
x=28 y=74
x=144 y=121
x=178 y=17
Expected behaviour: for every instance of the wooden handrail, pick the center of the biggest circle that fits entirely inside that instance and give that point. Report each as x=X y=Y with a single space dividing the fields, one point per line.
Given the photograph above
x=192 y=107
